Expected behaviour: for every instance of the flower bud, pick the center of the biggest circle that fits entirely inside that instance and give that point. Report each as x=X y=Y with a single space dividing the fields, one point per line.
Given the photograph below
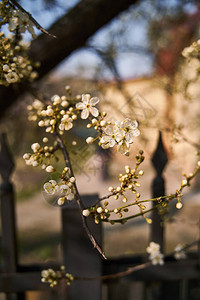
x=89 y=140
x=85 y=212
x=99 y=209
x=50 y=169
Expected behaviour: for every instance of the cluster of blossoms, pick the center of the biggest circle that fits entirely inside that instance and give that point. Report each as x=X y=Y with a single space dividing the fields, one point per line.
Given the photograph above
x=193 y=51
x=41 y=156
x=5 y=12
x=128 y=182
x=156 y=257
x=15 y=64
x=16 y=19
x=65 y=187
x=53 y=277
x=20 y=21
x=119 y=133
x=62 y=111
x=58 y=115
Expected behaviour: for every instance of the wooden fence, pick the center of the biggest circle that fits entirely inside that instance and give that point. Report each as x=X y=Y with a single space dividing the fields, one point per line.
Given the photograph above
x=174 y=280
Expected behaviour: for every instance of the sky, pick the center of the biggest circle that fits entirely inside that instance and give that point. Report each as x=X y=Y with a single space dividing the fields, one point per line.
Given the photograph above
x=83 y=62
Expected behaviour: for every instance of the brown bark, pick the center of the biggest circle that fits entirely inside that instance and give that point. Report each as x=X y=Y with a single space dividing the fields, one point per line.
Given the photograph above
x=72 y=31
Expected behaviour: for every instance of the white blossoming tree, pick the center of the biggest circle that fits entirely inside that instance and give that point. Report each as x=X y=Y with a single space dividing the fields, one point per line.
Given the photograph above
x=57 y=117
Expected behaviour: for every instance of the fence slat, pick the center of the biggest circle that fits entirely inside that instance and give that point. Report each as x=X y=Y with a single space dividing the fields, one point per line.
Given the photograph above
x=80 y=258
x=9 y=239
x=159 y=161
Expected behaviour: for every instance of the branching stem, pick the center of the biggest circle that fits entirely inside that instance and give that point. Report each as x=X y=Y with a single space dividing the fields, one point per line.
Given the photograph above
x=14 y=3
x=77 y=195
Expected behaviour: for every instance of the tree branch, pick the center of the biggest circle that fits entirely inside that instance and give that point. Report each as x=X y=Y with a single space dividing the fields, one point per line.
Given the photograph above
x=77 y=195
x=38 y=26
x=72 y=31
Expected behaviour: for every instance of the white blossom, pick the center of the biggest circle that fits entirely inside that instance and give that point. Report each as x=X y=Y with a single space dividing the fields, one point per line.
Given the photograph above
x=89 y=140
x=179 y=252
x=35 y=147
x=72 y=179
x=49 y=112
x=87 y=106
x=50 y=169
x=85 y=212
x=6 y=68
x=35 y=163
x=41 y=123
x=61 y=201
x=64 y=103
x=67 y=190
x=121 y=134
x=51 y=187
x=130 y=129
x=45 y=140
x=99 y=209
x=20 y=20
x=179 y=205
x=70 y=196
x=66 y=123
x=37 y=104
x=26 y=156
x=153 y=248
x=29 y=161
x=112 y=135
x=12 y=77
x=157 y=259
x=56 y=100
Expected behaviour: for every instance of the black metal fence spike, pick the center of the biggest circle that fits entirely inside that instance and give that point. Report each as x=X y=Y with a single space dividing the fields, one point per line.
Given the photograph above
x=6 y=160
x=159 y=158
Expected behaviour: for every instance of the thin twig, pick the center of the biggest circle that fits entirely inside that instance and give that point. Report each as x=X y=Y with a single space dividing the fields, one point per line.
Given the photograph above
x=117 y=275
x=78 y=198
x=133 y=216
x=189 y=141
x=38 y=26
x=132 y=269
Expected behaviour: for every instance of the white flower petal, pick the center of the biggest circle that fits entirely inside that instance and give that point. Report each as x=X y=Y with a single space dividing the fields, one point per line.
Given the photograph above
x=85 y=114
x=112 y=143
x=70 y=196
x=80 y=105
x=94 y=100
x=133 y=124
x=136 y=132
x=68 y=126
x=105 y=146
x=105 y=139
x=86 y=98
x=108 y=130
x=129 y=137
x=94 y=111
x=123 y=148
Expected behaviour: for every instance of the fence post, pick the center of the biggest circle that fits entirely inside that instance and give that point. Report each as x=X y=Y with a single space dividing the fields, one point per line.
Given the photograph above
x=80 y=257
x=159 y=161
x=8 y=219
